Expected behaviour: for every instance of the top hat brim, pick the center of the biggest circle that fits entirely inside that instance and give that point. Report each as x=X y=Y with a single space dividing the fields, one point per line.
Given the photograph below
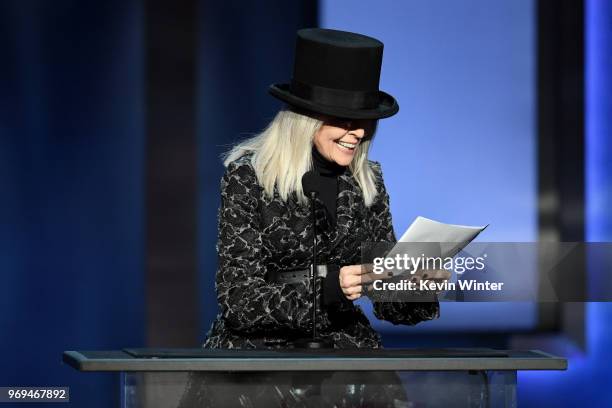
x=387 y=105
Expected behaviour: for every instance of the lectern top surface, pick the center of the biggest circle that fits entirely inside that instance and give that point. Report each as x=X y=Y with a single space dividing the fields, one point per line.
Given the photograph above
x=390 y=359
x=314 y=353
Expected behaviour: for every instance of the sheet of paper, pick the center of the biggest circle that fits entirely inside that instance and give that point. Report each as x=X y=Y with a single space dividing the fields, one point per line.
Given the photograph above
x=425 y=230
x=429 y=238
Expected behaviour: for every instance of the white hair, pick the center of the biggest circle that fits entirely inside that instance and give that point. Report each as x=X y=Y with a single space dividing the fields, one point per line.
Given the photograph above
x=282 y=153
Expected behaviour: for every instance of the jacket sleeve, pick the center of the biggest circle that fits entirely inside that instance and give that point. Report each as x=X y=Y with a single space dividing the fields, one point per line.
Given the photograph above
x=396 y=312
x=247 y=301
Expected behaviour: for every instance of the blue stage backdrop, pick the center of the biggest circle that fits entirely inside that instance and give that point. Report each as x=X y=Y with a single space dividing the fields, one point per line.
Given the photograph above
x=243 y=48
x=71 y=182
x=462 y=147
x=586 y=383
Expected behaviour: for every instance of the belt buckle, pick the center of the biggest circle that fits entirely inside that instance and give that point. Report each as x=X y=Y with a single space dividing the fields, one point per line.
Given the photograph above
x=321 y=271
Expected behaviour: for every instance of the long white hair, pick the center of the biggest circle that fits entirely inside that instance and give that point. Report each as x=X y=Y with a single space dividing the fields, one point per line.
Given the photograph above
x=282 y=153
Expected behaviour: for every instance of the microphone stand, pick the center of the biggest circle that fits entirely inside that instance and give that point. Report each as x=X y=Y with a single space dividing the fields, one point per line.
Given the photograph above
x=315 y=342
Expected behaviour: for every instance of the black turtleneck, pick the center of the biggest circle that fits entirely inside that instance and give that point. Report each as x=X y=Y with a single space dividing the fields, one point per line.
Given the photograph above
x=328 y=172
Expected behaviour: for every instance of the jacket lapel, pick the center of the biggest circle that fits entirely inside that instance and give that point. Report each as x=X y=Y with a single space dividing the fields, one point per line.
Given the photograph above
x=345 y=205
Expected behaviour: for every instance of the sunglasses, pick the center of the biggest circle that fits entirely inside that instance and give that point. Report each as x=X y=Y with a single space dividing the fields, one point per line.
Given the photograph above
x=349 y=124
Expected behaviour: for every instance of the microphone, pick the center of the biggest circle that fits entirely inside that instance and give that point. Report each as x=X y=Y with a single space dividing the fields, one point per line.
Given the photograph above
x=309 y=183
x=310 y=187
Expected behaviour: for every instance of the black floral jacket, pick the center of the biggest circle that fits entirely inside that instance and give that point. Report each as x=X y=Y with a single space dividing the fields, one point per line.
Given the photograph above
x=259 y=234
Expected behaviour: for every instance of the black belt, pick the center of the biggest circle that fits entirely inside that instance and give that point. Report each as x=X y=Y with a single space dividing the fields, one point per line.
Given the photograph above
x=296 y=275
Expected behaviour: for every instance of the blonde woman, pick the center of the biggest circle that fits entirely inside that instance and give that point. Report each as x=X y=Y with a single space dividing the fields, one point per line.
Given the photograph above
x=265 y=240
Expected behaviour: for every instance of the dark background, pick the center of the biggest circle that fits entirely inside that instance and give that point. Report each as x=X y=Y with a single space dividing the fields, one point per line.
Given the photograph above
x=112 y=118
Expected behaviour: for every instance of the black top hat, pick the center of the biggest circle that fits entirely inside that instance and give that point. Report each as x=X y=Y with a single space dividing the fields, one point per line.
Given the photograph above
x=337 y=73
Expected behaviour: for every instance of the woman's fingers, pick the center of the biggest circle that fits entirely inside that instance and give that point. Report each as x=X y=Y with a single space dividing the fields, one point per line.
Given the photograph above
x=356 y=270
x=351 y=281
x=352 y=290
x=350 y=275
x=353 y=277
x=366 y=268
x=371 y=277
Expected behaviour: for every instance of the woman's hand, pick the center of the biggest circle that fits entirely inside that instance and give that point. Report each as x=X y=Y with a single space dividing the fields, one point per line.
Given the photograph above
x=350 y=281
x=353 y=277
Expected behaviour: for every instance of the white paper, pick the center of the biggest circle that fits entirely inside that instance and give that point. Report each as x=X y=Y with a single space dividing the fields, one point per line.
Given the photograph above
x=425 y=230
x=434 y=239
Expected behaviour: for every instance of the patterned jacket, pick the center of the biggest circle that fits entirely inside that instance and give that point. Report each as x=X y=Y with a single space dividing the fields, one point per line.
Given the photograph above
x=259 y=234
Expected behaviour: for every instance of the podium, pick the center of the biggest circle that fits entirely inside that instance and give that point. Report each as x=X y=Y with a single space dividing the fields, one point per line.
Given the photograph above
x=297 y=377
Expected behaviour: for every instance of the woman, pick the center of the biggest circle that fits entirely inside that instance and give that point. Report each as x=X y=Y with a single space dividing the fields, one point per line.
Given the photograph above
x=265 y=221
